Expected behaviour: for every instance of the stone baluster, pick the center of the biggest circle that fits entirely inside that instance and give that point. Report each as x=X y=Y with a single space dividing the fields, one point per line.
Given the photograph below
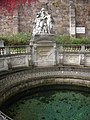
x=7 y=51
x=82 y=55
x=28 y=49
x=1 y=51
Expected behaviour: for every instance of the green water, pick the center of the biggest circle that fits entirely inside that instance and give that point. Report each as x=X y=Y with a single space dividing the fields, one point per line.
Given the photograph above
x=55 y=105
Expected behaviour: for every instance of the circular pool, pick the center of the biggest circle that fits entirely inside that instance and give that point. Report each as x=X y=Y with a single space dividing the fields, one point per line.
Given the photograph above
x=51 y=105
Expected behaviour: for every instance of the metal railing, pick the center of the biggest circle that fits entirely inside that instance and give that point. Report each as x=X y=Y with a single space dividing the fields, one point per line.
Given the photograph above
x=4 y=117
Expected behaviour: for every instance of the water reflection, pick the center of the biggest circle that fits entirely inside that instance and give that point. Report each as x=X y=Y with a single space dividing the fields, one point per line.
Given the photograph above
x=52 y=105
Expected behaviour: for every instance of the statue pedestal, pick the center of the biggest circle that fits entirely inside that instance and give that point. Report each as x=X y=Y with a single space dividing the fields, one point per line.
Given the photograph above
x=44 y=50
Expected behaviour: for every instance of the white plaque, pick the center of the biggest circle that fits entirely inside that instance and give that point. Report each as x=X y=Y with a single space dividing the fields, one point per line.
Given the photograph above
x=80 y=30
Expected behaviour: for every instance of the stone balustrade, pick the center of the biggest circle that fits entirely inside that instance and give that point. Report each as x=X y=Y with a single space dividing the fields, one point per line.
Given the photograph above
x=22 y=56
x=72 y=48
x=14 y=56
x=9 y=50
x=19 y=49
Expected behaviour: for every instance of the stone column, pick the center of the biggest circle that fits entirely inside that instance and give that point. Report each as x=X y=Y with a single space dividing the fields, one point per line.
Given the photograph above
x=72 y=18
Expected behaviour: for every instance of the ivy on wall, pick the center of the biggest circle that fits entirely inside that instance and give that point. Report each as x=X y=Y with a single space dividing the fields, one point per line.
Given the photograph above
x=10 y=5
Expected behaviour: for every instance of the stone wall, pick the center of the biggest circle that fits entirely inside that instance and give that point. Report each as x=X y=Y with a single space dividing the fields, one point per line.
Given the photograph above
x=83 y=15
x=22 y=21
x=8 y=23
x=60 y=14
x=14 y=82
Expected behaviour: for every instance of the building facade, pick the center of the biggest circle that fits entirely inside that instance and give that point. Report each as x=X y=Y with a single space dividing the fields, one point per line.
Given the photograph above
x=71 y=17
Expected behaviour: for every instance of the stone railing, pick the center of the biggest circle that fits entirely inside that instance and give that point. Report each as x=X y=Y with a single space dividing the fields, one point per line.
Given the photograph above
x=74 y=48
x=8 y=50
x=73 y=55
x=4 y=117
x=24 y=56
x=14 y=56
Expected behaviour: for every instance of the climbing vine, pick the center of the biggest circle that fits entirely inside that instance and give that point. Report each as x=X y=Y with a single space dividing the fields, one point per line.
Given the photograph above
x=10 y=5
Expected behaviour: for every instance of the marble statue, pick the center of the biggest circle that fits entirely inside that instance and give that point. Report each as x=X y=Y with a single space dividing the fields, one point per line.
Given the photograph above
x=49 y=23
x=43 y=23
